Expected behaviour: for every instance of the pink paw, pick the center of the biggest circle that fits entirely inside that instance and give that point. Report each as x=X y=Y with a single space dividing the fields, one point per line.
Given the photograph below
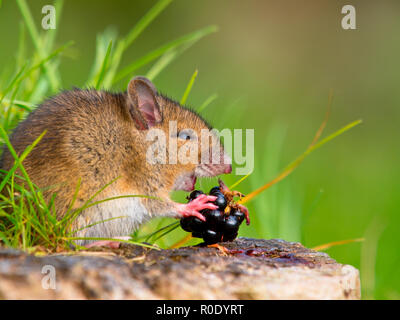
x=107 y=243
x=194 y=207
x=246 y=213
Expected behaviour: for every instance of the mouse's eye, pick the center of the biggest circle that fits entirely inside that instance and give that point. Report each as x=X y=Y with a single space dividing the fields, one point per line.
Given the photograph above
x=187 y=135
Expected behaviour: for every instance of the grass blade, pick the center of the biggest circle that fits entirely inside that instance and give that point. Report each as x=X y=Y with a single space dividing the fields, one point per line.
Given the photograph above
x=103 y=66
x=146 y=20
x=51 y=34
x=336 y=243
x=121 y=197
x=239 y=181
x=102 y=41
x=151 y=56
x=122 y=45
x=26 y=14
x=27 y=106
x=181 y=242
x=96 y=223
x=189 y=87
x=21 y=52
x=13 y=82
x=166 y=232
x=298 y=161
x=21 y=76
x=112 y=239
x=161 y=64
x=37 y=42
x=18 y=160
x=149 y=236
x=166 y=59
x=327 y=115
x=206 y=103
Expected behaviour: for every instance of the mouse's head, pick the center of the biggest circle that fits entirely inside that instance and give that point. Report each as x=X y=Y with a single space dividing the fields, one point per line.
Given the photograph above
x=180 y=141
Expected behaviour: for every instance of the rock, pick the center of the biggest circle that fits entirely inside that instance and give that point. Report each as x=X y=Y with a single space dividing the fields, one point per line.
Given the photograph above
x=250 y=269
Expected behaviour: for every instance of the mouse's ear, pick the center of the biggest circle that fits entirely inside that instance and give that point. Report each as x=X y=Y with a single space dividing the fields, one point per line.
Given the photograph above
x=142 y=103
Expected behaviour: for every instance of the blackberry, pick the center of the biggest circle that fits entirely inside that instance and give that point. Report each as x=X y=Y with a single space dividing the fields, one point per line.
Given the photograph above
x=231 y=224
x=192 y=224
x=217 y=227
x=214 y=190
x=229 y=236
x=211 y=237
x=238 y=214
x=185 y=224
x=197 y=234
x=194 y=195
x=214 y=218
x=221 y=202
x=197 y=225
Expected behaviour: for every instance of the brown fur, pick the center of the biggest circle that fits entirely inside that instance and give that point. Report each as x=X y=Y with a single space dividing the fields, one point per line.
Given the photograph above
x=91 y=136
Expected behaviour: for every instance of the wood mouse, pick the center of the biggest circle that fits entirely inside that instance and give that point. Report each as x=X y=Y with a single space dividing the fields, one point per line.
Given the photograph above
x=97 y=136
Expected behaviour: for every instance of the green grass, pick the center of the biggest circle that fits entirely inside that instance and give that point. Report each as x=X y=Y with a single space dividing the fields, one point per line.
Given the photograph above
x=27 y=220
x=30 y=222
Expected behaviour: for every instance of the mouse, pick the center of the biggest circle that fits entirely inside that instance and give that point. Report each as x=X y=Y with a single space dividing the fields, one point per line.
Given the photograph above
x=95 y=138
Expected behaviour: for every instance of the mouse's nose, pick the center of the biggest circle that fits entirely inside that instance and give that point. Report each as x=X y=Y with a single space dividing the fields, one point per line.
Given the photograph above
x=228 y=169
x=227 y=163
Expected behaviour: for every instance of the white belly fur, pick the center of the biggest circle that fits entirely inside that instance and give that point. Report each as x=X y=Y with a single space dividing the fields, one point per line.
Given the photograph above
x=131 y=211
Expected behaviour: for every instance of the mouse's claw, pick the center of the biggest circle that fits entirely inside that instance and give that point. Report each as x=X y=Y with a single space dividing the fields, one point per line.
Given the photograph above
x=194 y=207
x=222 y=249
x=107 y=243
x=245 y=211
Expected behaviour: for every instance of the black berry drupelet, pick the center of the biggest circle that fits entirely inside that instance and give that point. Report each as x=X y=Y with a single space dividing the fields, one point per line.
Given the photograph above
x=219 y=226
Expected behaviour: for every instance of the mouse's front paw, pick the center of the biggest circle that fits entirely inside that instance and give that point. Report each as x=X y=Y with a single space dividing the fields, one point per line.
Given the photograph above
x=194 y=207
x=107 y=243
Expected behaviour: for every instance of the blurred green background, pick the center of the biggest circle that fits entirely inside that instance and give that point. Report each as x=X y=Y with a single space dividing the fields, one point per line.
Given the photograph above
x=272 y=65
